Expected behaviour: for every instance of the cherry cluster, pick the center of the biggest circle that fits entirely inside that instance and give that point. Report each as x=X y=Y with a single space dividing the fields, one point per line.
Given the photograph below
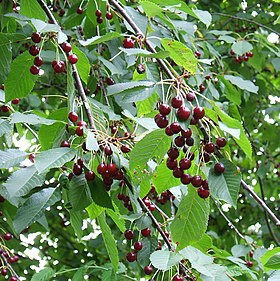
x=245 y=57
x=99 y=18
x=6 y=108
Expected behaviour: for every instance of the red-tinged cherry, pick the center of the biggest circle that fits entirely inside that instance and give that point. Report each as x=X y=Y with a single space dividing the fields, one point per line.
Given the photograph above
x=79 y=10
x=186 y=133
x=61 y=13
x=66 y=47
x=99 y=20
x=31 y=157
x=232 y=52
x=13 y=278
x=178 y=278
x=171 y=163
x=168 y=131
x=141 y=68
x=173 y=153
x=185 y=164
x=8 y=236
x=36 y=37
x=119 y=175
x=138 y=245
x=237 y=60
x=180 y=141
x=196 y=181
x=129 y=234
x=112 y=168
x=193 y=121
x=121 y=196
x=164 y=109
x=65 y=143
x=108 y=151
x=190 y=141
x=109 y=16
x=73 y=116
x=206 y=157
x=80 y=161
x=183 y=113
x=125 y=148
x=197 y=54
x=82 y=123
x=203 y=193
x=176 y=102
x=161 y=121
x=152 y=207
x=246 y=58
x=147 y=202
x=73 y=58
x=34 y=69
x=205 y=184
x=4 y=271
x=221 y=142
x=110 y=81
x=2 y=87
x=146 y=232
x=209 y=147
x=2 y=199
x=148 y=270
x=90 y=175
x=249 y=263
x=11 y=260
x=249 y=54
x=77 y=169
x=128 y=43
x=177 y=173
x=38 y=61
x=16 y=258
x=175 y=127
x=101 y=168
x=251 y=253
x=219 y=168
x=201 y=88
x=131 y=256
x=98 y=13
x=208 y=77
x=34 y=50
x=190 y=96
x=5 y=108
x=58 y=66
x=198 y=112
x=186 y=178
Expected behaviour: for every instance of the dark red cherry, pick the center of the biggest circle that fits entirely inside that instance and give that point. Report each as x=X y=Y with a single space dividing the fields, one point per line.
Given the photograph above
x=36 y=37
x=196 y=181
x=66 y=47
x=148 y=270
x=186 y=178
x=73 y=116
x=138 y=246
x=219 y=168
x=209 y=147
x=128 y=43
x=79 y=10
x=73 y=58
x=178 y=278
x=8 y=236
x=185 y=164
x=161 y=120
x=249 y=263
x=101 y=168
x=141 y=68
x=190 y=141
x=190 y=96
x=16 y=101
x=171 y=163
x=198 y=112
x=197 y=54
x=131 y=256
x=65 y=143
x=221 y=142
x=38 y=61
x=146 y=232
x=179 y=141
x=193 y=121
x=177 y=173
x=109 y=16
x=90 y=175
x=173 y=152
x=98 y=13
x=164 y=109
x=175 y=127
x=34 y=50
x=186 y=133
x=176 y=101
x=129 y=234
x=34 y=69
x=183 y=113
x=201 y=88
x=203 y=193
x=168 y=131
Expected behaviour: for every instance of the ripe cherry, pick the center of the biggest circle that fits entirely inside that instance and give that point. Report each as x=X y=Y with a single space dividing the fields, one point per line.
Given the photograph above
x=34 y=50
x=185 y=164
x=196 y=181
x=171 y=163
x=36 y=37
x=193 y=121
x=186 y=133
x=161 y=120
x=249 y=263
x=38 y=61
x=221 y=142
x=168 y=131
x=90 y=175
x=209 y=147
x=175 y=127
x=8 y=236
x=183 y=113
x=176 y=102
x=138 y=246
x=232 y=52
x=34 y=69
x=164 y=109
x=148 y=269
x=65 y=143
x=73 y=116
x=177 y=173
x=141 y=68
x=98 y=13
x=251 y=253
x=5 y=108
x=16 y=101
x=178 y=278
x=219 y=168
x=79 y=131
x=101 y=168
x=79 y=10
x=131 y=256
x=73 y=58
x=201 y=88
x=128 y=234
x=31 y=157
x=203 y=193
x=250 y=54
x=128 y=43
x=190 y=96
x=4 y=271
x=179 y=141
x=186 y=178
x=198 y=112
x=2 y=199
x=108 y=151
x=110 y=81
x=109 y=16
x=66 y=47
x=112 y=168
x=173 y=152
x=146 y=232
x=13 y=278
x=59 y=66
x=77 y=169
x=82 y=123
x=99 y=20
x=197 y=54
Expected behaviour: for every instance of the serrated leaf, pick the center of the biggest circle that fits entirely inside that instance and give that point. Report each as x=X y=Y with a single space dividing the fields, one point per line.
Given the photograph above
x=76 y=220
x=109 y=241
x=191 y=219
x=11 y=158
x=20 y=72
x=5 y=56
x=163 y=178
x=115 y=216
x=31 y=119
x=241 y=47
x=42 y=26
x=43 y=275
x=240 y=250
x=5 y=127
x=145 y=53
x=231 y=93
x=242 y=84
x=226 y=185
x=22 y=181
x=270 y=253
x=91 y=141
x=94 y=210
x=83 y=65
x=79 y=193
x=164 y=259
x=80 y=273
x=32 y=9
x=100 y=39
x=203 y=16
x=273 y=262
x=204 y=244
x=150 y=9
x=181 y=55
x=135 y=85
x=153 y=146
x=53 y=158
x=149 y=246
x=34 y=207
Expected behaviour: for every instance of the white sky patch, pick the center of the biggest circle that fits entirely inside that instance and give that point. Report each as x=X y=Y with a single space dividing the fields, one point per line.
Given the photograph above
x=273 y=38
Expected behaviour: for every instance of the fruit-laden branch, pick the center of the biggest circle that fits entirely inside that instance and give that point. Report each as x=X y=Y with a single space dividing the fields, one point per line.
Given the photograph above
x=76 y=75
x=164 y=66
x=9 y=266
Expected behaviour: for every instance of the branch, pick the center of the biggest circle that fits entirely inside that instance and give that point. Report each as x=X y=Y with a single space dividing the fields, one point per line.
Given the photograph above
x=9 y=266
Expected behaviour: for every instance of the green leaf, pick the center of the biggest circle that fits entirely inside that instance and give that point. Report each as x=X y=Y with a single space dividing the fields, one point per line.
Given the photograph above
x=191 y=219
x=149 y=246
x=32 y=9
x=231 y=93
x=181 y=55
x=31 y=119
x=5 y=57
x=153 y=146
x=42 y=26
x=11 y=158
x=94 y=210
x=100 y=39
x=242 y=84
x=43 y=275
x=240 y=250
x=204 y=244
x=83 y=65
x=145 y=53
x=80 y=273
x=241 y=47
x=20 y=73
x=163 y=178
x=135 y=85
x=150 y=9
x=115 y=216
x=109 y=241
x=147 y=105
x=22 y=181
x=79 y=193
x=164 y=259
x=5 y=127
x=76 y=220
x=34 y=207
x=53 y=158
x=91 y=141
x=226 y=185
x=268 y=260
x=203 y=16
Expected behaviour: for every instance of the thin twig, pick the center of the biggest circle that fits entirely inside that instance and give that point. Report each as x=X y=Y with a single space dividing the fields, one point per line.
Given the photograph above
x=9 y=266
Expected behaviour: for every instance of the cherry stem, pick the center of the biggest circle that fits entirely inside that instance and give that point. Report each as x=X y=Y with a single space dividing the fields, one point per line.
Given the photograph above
x=9 y=266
